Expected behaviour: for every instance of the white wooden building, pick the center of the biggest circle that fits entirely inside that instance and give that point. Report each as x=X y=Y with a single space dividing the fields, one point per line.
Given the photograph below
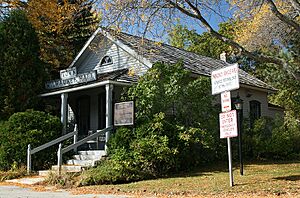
x=109 y=61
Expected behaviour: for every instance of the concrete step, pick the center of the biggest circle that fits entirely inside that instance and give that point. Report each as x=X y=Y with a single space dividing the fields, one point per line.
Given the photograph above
x=68 y=168
x=83 y=163
x=87 y=157
x=92 y=152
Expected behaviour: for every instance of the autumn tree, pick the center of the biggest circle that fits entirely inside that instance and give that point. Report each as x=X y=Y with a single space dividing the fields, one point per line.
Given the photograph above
x=62 y=26
x=159 y=15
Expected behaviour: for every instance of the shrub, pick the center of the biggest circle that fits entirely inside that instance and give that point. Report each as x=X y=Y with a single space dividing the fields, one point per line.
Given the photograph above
x=62 y=180
x=274 y=139
x=23 y=128
x=120 y=168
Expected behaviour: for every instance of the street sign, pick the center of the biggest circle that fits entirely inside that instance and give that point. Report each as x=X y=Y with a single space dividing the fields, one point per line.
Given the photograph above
x=226 y=101
x=124 y=113
x=228 y=124
x=225 y=79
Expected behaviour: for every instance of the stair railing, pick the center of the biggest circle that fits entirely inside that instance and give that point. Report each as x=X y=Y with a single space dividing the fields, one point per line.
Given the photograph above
x=61 y=150
x=30 y=151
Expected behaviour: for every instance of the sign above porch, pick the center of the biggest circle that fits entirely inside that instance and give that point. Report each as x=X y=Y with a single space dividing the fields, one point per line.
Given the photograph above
x=70 y=77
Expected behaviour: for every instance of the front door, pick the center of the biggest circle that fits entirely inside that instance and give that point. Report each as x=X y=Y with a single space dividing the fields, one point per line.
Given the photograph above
x=83 y=115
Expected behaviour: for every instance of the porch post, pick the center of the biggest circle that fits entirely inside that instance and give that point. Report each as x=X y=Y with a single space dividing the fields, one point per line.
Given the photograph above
x=108 y=115
x=63 y=111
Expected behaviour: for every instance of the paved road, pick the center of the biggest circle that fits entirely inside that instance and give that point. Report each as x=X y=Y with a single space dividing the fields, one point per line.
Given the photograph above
x=18 y=192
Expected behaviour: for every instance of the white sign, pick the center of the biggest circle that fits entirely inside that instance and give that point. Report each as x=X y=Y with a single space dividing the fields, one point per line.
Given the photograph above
x=226 y=101
x=225 y=79
x=124 y=113
x=80 y=78
x=68 y=73
x=228 y=124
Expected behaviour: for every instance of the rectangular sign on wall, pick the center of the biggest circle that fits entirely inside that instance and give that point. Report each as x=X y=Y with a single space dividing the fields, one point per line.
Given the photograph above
x=225 y=79
x=228 y=124
x=124 y=113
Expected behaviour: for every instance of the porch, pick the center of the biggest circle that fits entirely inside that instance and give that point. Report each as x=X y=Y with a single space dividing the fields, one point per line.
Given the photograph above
x=90 y=107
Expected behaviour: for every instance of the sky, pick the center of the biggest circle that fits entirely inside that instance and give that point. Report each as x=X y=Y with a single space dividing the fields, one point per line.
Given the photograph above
x=214 y=15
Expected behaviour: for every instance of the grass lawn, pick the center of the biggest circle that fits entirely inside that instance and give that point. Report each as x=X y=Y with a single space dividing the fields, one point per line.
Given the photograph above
x=260 y=180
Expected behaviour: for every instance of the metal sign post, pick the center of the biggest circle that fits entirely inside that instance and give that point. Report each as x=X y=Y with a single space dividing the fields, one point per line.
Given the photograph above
x=222 y=81
x=230 y=162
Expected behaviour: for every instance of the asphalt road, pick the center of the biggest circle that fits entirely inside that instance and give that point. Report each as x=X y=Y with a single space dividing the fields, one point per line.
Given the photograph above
x=19 y=192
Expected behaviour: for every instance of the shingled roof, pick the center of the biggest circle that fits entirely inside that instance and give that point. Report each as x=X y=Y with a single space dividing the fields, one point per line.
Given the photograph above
x=197 y=64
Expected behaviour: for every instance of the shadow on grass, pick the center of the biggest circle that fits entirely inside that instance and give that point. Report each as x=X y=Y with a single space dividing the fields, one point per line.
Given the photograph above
x=204 y=170
x=222 y=167
x=289 y=178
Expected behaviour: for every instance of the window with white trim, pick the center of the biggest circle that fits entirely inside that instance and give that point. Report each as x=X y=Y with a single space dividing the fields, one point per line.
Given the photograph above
x=106 y=60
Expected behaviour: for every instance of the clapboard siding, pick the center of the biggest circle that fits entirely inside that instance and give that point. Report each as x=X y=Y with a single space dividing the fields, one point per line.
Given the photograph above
x=121 y=59
x=248 y=95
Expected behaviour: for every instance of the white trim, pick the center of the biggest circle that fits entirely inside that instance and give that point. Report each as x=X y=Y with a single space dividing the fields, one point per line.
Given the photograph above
x=134 y=54
x=127 y=49
x=98 y=84
x=84 y=47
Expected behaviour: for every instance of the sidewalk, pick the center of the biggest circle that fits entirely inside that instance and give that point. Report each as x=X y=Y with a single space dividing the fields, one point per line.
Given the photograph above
x=19 y=192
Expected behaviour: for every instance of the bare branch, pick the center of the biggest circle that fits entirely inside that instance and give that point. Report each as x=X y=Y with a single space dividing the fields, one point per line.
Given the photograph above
x=296 y=5
x=282 y=17
x=257 y=57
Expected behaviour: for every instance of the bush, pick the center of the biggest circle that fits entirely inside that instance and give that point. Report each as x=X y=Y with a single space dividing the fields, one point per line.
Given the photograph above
x=273 y=139
x=120 y=168
x=23 y=128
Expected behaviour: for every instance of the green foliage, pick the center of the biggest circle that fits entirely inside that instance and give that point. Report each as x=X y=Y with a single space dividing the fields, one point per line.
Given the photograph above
x=21 y=72
x=273 y=139
x=176 y=128
x=23 y=128
x=204 y=44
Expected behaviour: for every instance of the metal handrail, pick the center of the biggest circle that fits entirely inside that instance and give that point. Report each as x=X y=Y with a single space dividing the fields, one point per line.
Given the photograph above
x=61 y=150
x=30 y=151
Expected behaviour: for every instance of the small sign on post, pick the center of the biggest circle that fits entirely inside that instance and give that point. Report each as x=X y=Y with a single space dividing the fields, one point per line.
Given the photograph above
x=226 y=101
x=228 y=124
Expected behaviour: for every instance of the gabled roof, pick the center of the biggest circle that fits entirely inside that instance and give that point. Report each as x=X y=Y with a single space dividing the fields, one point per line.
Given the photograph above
x=197 y=64
x=150 y=52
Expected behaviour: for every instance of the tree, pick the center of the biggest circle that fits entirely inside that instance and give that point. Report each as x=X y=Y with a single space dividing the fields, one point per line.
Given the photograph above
x=204 y=44
x=161 y=14
x=63 y=27
x=21 y=71
x=207 y=45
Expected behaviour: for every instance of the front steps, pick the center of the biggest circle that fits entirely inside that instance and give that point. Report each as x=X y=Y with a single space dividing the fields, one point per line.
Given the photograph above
x=83 y=160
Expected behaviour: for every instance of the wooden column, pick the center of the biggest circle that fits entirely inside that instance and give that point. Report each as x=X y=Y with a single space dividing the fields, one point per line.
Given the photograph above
x=63 y=111
x=108 y=115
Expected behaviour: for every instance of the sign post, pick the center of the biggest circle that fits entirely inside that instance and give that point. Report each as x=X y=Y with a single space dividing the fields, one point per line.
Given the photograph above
x=222 y=81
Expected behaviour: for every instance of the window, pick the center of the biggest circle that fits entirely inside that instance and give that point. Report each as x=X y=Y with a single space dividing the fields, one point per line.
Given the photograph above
x=255 y=111
x=106 y=60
